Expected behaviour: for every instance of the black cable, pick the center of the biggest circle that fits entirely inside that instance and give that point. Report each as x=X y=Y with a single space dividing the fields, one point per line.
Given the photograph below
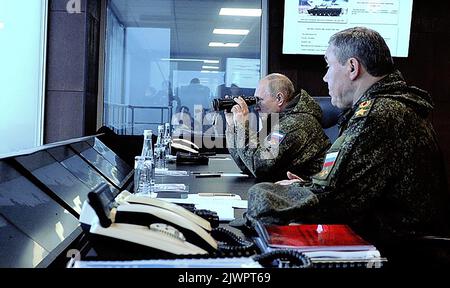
x=231 y=245
x=283 y=259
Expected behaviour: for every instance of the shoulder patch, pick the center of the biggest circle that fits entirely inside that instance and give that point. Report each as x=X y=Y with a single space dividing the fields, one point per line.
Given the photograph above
x=364 y=109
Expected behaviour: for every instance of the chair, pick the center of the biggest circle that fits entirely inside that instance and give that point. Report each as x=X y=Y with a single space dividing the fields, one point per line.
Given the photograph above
x=330 y=116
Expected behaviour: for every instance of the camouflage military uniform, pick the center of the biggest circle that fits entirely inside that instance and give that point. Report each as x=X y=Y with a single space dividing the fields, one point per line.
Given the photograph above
x=297 y=143
x=384 y=175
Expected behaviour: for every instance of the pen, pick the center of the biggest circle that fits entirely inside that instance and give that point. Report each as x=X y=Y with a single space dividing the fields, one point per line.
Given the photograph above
x=216 y=194
x=207 y=175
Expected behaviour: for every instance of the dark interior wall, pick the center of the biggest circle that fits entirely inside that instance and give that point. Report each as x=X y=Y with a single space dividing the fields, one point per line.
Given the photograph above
x=427 y=67
x=72 y=70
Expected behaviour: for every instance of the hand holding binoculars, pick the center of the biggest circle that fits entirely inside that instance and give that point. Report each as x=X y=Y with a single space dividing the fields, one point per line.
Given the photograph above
x=228 y=103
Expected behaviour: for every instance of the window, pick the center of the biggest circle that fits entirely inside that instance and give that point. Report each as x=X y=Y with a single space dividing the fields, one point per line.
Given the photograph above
x=22 y=58
x=168 y=59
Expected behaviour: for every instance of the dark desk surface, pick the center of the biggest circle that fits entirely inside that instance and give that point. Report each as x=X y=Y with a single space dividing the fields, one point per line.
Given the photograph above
x=221 y=163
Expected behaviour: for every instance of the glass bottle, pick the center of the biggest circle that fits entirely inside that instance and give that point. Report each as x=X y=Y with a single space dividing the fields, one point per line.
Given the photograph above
x=160 y=158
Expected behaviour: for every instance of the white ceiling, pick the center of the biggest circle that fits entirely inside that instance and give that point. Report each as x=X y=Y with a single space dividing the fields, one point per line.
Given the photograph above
x=192 y=22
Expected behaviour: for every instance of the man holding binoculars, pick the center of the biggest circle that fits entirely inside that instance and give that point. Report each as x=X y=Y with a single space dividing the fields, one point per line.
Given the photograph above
x=292 y=138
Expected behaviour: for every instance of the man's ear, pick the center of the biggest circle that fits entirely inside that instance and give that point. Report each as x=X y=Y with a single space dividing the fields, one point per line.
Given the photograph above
x=354 y=68
x=280 y=98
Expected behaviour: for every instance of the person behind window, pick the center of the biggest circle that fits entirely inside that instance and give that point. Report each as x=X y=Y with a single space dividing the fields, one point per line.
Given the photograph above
x=235 y=90
x=385 y=174
x=195 y=95
x=296 y=142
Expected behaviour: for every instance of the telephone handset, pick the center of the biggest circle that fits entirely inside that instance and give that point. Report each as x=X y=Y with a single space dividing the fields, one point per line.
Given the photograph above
x=143 y=215
x=185 y=145
x=156 y=225
x=136 y=199
x=159 y=236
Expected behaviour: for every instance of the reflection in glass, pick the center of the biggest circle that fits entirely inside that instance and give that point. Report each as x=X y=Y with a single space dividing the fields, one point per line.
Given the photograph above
x=159 y=64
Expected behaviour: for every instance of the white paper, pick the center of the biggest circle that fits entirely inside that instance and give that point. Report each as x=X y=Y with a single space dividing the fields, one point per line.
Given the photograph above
x=222 y=205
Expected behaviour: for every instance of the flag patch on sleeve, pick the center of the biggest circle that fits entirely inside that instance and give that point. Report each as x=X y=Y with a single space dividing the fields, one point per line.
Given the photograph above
x=275 y=138
x=330 y=159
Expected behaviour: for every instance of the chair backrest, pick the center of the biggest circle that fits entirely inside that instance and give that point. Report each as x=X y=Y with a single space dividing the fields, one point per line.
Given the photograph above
x=330 y=116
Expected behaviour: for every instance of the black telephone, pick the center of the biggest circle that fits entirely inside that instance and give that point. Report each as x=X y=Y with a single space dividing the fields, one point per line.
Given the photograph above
x=143 y=227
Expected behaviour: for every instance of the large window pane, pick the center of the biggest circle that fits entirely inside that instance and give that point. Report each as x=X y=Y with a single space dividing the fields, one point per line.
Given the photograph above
x=163 y=61
x=22 y=42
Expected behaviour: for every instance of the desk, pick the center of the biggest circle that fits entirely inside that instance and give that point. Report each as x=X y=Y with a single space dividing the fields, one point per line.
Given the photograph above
x=220 y=163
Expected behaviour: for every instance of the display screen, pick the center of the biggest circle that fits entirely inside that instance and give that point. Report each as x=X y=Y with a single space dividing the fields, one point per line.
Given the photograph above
x=56 y=177
x=32 y=211
x=308 y=24
x=108 y=170
x=17 y=250
x=81 y=169
x=109 y=155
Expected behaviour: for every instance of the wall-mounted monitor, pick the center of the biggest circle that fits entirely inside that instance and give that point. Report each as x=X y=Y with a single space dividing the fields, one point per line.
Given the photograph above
x=243 y=72
x=308 y=24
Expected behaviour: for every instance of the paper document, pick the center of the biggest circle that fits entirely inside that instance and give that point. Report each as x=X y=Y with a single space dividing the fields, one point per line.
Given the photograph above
x=162 y=172
x=243 y=262
x=171 y=187
x=222 y=205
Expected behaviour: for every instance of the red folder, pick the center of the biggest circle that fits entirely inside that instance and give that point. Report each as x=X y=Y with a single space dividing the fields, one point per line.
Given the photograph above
x=306 y=237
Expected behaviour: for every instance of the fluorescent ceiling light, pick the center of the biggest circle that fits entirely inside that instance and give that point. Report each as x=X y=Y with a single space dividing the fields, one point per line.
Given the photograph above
x=191 y=60
x=2 y=25
x=220 y=44
x=210 y=67
x=240 y=12
x=207 y=71
x=231 y=31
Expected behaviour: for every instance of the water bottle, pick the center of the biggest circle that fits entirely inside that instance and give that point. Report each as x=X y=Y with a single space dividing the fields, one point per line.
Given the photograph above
x=147 y=148
x=144 y=175
x=168 y=140
x=160 y=151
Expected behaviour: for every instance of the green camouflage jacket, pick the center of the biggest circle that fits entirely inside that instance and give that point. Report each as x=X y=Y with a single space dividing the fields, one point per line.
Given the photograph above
x=296 y=143
x=384 y=175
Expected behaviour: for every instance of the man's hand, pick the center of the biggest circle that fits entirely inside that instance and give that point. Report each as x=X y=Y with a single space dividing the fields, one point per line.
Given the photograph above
x=230 y=119
x=240 y=111
x=292 y=179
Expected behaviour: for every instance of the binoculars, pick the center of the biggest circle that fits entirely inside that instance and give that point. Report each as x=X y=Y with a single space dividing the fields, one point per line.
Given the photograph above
x=227 y=104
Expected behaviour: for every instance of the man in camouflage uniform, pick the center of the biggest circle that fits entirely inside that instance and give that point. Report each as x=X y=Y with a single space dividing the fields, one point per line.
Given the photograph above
x=385 y=174
x=295 y=141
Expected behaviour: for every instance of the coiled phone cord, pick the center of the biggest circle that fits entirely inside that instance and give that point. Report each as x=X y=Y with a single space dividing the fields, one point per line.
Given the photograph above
x=283 y=259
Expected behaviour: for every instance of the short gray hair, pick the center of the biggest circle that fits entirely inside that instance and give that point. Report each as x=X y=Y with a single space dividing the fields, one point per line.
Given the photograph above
x=280 y=83
x=367 y=46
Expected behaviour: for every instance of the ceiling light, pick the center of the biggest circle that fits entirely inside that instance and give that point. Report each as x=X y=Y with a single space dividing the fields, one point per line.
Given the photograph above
x=207 y=71
x=210 y=67
x=240 y=12
x=231 y=31
x=211 y=61
x=220 y=44
x=2 y=25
